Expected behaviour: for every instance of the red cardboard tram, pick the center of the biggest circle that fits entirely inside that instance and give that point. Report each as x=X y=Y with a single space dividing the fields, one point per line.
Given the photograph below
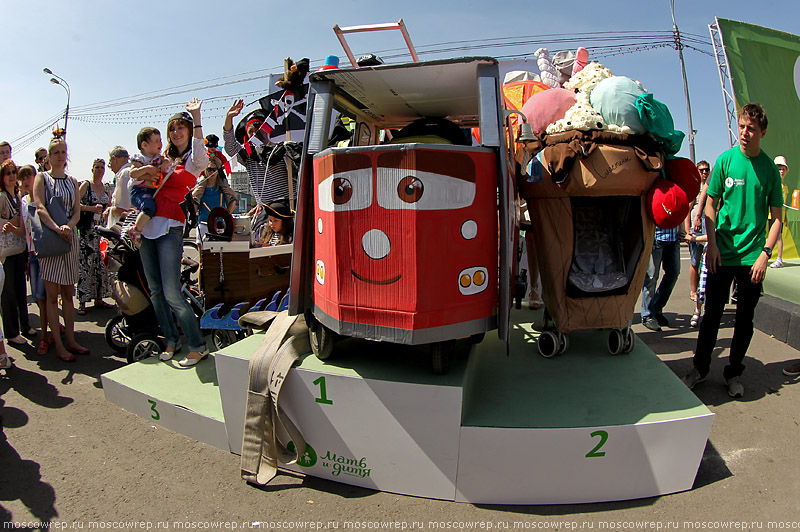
x=408 y=240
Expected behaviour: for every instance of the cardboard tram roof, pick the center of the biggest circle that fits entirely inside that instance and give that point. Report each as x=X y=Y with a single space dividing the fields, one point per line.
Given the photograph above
x=394 y=95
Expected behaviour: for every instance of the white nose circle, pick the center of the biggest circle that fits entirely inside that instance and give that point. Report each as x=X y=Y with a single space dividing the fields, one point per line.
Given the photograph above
x=469 y=229
x=376 y=244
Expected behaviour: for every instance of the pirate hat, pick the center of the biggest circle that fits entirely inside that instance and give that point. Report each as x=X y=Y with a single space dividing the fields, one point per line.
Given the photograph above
x=257 y=115
x=279 y=209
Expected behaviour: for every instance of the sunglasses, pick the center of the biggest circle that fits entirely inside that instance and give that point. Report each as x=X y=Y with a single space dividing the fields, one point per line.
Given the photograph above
x=10 y=172
x=212 y=169
x=40 y=159
x=703 y=170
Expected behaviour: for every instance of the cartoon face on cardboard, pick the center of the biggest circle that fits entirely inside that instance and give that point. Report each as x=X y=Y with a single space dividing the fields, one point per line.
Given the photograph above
x=405 y=238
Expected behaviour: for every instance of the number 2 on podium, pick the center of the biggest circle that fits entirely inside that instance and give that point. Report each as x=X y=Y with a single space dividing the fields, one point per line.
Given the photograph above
x=596 y=453
x=323 y=394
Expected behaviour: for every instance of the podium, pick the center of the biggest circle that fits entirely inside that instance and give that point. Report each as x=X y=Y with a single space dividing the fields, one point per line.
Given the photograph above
x=585 y=426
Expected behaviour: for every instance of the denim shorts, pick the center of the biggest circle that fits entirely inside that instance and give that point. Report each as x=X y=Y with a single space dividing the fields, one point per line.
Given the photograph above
x=142 y=199
x=696 y=253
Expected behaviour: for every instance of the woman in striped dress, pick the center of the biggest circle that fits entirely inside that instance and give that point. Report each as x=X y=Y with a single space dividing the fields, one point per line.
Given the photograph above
x=60 y=273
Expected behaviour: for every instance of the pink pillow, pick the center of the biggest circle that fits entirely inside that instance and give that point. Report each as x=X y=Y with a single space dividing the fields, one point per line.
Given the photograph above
x=544 y=108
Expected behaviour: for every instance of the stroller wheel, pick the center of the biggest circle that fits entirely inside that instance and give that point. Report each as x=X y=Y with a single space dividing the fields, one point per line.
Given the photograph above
x=548 y=344
x=616 y=341
x=630 y=340
x=143 y=345
x=117 y=336
x=563 y=343
x=222 y=338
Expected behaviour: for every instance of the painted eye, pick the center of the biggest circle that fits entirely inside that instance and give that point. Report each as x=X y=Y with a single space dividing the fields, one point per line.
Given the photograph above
x=410 y=189
x=342 y=191
x=479 y=278
x=465 y=280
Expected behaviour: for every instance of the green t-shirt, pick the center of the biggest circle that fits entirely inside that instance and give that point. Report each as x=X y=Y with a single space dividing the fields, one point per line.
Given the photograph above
x=748 y=187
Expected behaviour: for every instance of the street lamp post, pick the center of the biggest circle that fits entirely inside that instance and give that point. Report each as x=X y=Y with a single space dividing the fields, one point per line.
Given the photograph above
x=58 y=80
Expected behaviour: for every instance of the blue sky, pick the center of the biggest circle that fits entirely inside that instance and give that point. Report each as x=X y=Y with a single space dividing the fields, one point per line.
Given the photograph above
x=112 y=50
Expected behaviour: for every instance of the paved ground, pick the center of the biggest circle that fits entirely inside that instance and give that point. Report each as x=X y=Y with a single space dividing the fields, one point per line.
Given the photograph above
x=68 y=456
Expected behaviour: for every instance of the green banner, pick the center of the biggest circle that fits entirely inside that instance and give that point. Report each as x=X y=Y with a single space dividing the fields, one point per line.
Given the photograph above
x=764 y=66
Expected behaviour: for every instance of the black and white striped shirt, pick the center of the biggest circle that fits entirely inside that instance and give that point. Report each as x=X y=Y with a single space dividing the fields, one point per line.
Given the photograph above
x=268 y=184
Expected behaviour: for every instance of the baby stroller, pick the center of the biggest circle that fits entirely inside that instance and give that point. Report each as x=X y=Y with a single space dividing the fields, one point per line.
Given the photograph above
x=592 y=232
x=135 y=330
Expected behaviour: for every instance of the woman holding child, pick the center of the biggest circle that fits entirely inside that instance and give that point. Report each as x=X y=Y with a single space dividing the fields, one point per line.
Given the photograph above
x=162 y=236
x=94 y=280
x=60 y=273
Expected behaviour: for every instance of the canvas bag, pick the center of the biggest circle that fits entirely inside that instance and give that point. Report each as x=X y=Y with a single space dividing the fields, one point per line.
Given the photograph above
x=47 y=242
x=284 y=343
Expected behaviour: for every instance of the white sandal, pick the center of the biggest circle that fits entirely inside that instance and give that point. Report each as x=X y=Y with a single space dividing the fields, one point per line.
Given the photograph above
x=695 y=319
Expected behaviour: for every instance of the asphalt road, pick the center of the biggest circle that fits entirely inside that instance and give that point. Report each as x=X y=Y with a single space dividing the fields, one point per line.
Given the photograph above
x=73 y=460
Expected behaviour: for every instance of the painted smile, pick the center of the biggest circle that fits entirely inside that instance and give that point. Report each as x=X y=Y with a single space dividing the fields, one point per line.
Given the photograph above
x=371 y=281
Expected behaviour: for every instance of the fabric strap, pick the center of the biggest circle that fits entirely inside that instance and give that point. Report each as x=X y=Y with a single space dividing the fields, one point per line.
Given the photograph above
x=285 y=341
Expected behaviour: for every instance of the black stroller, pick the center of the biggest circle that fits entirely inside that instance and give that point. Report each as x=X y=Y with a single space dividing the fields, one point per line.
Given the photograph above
x=135 y=330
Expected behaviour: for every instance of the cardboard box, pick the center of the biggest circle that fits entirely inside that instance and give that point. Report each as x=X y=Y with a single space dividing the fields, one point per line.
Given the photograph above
x=248 y=275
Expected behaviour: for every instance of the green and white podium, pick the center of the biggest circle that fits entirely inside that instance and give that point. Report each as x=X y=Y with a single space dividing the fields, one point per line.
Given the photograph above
x=584 y=426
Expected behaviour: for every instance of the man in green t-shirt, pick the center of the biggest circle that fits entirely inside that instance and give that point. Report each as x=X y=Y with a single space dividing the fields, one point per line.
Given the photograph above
x=744 y=188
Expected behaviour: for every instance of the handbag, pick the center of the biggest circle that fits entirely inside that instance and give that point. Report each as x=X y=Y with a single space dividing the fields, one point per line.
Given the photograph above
x=10 y=244
x=47 y=242
x=86 y=221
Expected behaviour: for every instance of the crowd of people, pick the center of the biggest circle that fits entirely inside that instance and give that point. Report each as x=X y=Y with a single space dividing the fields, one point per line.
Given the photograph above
x=152 y=183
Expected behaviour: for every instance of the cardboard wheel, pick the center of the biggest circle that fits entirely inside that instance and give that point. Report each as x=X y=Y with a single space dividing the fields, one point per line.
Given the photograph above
x=441 y=355
x=321 y=339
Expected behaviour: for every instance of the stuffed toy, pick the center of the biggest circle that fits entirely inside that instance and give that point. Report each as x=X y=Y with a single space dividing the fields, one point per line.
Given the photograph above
x=581 y=60
x=547 y=71
x=615 y=99
x=546 y=107
x=293 y=75
x=564 y=60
